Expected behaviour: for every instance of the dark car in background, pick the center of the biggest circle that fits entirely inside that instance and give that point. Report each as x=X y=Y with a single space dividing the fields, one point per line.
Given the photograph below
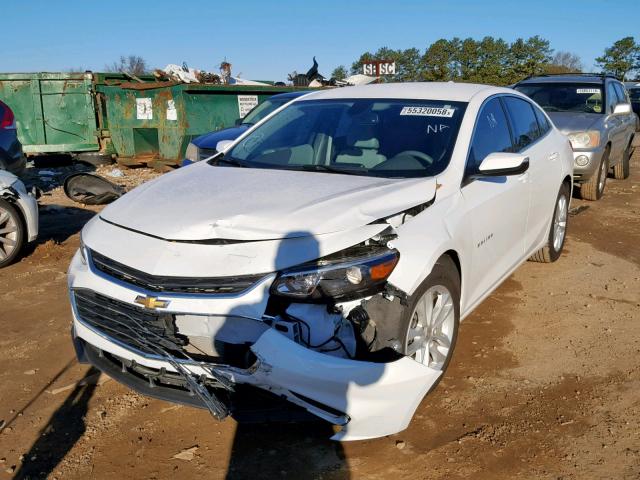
x=634 y=94
x=204 y=146
x=11 y=156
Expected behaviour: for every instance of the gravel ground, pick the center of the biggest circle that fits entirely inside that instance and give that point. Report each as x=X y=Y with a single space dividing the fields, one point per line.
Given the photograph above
x=544 y=383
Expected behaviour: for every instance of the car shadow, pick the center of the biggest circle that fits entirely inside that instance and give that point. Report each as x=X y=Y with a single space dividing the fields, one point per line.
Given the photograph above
x=65 y=427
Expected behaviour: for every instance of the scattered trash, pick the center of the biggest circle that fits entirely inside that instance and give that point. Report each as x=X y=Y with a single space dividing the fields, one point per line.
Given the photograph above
x=181 y=73
x=400 y=444
x=358 y=79
x=30 y=372
x=2 y=424
x=91 y=189
x=116 y=173
x=186 y=454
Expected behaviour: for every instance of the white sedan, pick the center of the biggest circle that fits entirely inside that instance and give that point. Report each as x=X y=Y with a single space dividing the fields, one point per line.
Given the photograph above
x=327 y=256
x=18 y=217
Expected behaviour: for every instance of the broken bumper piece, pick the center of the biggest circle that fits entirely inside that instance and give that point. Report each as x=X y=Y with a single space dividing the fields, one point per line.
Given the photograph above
x=366 y=399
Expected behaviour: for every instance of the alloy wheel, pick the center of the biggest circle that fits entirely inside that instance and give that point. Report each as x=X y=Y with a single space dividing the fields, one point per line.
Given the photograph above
x=8 y=233
x=560 y=222
x=431 y=328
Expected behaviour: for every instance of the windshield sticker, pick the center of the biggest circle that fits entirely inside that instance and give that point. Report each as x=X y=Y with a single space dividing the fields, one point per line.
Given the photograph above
x=428 y=111
x=436 y=128
x=588 y=90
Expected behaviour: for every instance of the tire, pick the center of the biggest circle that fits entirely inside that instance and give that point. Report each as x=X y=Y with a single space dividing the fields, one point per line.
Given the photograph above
x=557 y=232
x=12 y=233
x=621 y=170
x=594 y=188
x=443 y=279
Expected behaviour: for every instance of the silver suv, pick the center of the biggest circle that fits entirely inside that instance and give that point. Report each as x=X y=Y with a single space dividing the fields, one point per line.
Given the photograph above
x=594 y=111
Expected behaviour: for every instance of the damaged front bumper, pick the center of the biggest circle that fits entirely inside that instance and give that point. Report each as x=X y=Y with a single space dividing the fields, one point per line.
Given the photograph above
x=366 y=399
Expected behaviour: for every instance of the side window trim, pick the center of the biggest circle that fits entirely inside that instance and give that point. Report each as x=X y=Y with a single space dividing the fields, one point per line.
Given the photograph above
x=498 y=97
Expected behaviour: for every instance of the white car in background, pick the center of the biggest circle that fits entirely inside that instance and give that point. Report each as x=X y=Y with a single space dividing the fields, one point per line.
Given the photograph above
x=18 y=217
x=328 y=255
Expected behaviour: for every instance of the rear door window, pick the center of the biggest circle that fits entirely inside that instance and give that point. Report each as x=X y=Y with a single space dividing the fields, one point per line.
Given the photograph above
x=523 y=122
x=491 y=135
x=543 y=122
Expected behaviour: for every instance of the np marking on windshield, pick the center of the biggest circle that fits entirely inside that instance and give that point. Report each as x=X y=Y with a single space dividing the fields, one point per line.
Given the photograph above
x=588 y=90
x=428 y=111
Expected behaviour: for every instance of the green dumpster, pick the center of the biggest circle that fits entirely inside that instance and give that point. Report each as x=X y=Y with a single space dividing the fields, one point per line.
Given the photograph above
x=54 y=111
x=158 y=120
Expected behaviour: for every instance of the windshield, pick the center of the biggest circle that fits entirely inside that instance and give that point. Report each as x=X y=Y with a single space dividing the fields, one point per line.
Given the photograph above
x=262 y=110
x=375 y=137
x=565 y=97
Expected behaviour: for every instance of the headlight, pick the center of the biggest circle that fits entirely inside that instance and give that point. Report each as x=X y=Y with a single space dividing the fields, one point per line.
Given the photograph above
x=192 y=153
x=334 y=279
x=588 y=139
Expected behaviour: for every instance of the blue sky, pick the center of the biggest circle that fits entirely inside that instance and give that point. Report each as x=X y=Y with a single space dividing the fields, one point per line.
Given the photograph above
x=268 y=39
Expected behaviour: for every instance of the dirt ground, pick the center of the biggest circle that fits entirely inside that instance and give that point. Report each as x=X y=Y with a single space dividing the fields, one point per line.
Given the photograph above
x=544 y=382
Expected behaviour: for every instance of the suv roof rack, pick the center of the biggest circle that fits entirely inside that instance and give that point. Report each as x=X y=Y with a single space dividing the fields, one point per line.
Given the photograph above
x=569 y=74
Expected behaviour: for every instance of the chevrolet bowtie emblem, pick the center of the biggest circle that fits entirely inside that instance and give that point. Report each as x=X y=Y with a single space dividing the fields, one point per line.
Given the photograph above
x=151 y=302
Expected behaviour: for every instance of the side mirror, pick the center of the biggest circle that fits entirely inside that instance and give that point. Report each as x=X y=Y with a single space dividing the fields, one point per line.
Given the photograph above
x=499 y=164
x=222 y=145
x=238 y=122
x=622 y=108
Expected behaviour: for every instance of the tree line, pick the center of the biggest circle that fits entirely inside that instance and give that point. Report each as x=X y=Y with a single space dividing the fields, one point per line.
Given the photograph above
x=493 y=60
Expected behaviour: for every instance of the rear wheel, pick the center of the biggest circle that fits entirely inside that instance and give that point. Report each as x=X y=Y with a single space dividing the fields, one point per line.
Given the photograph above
x=594 y=188
x=621 y=170
x=557 y=233
x=430 y=324
x=11 y=233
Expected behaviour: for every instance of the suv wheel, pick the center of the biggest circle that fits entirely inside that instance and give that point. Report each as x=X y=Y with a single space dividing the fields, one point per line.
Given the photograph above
x=11 y=233
x=557 y=233
x=594 y=188
x=621 y=170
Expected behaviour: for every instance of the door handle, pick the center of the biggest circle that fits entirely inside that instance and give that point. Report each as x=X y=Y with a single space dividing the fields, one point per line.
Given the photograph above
x=554 y=156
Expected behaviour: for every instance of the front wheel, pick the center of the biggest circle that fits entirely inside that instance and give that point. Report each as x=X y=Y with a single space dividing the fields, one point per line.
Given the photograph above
x=557 y=233
x=621 y=170
x=594 y=188
x=11 y=233
x=430 y=324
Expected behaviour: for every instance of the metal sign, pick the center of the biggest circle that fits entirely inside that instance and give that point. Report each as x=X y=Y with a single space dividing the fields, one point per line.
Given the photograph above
x=376 y=68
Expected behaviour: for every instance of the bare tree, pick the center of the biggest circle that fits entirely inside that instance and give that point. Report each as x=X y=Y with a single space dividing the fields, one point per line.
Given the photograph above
x=569 y=60
x=133 y=64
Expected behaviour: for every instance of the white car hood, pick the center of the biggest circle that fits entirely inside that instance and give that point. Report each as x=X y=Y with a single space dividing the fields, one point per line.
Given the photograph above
x=202 y=202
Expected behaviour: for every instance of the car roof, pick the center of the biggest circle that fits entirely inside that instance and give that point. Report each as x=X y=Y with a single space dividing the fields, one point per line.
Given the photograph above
x=295 y=94
x=565 y=78
x=451 y=91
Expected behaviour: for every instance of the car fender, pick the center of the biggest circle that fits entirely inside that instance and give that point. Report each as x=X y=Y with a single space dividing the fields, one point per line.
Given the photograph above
x=423 y=239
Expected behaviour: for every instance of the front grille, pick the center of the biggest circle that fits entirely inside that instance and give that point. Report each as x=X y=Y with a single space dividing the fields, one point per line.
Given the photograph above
x=141 y=329
x=205 y=153
x=166 y=284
